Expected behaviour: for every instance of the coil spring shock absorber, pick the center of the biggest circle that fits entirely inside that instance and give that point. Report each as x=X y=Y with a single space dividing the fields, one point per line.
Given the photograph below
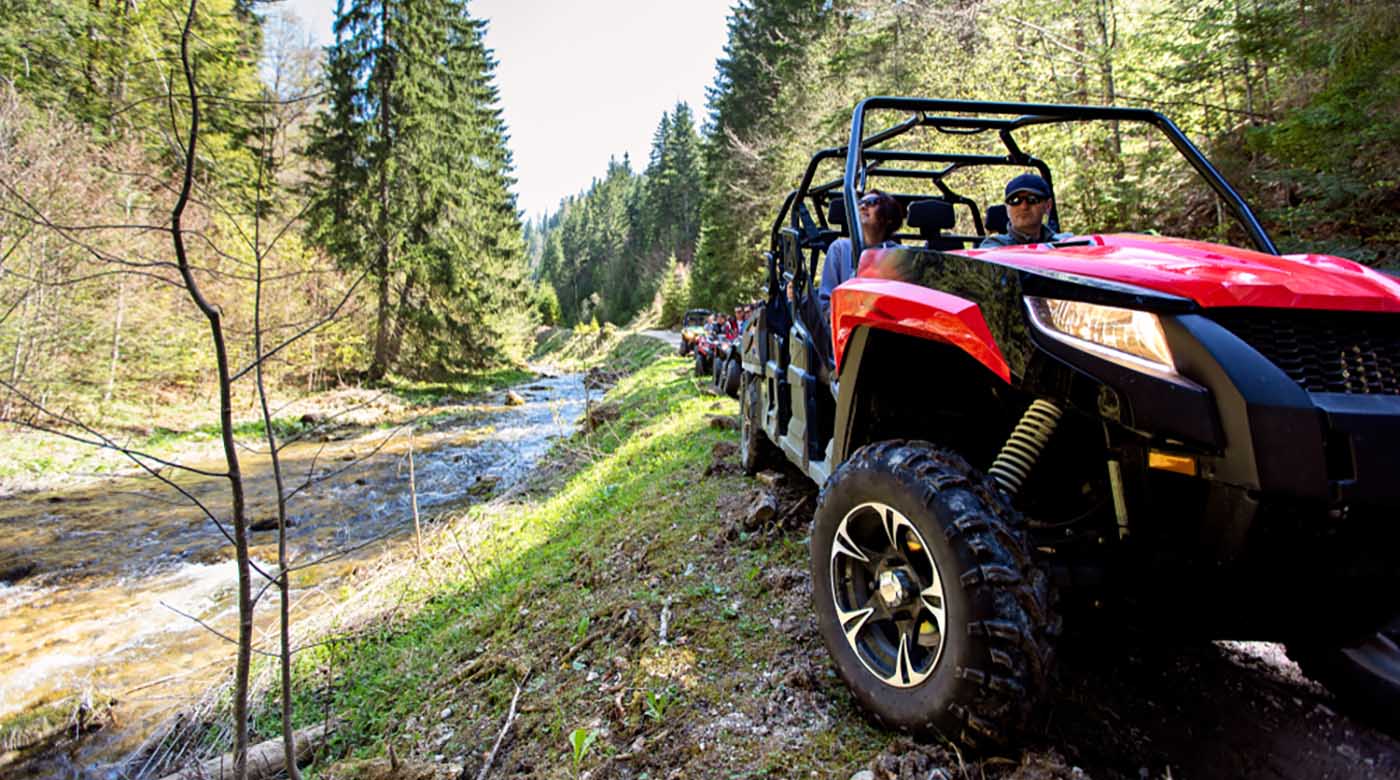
x=1020 y=453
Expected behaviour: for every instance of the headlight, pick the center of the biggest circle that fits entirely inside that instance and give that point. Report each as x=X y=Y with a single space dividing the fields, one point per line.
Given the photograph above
x=1127 y=337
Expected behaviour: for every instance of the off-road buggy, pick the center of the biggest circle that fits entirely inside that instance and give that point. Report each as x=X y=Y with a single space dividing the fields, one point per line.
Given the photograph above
x=692 y=328
x=704 y=350
x=1200 y=437
x=727 y=364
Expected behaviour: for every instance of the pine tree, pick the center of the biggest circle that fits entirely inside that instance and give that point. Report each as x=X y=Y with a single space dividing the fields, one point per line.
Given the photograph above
x=415 y=183
x=768 y=42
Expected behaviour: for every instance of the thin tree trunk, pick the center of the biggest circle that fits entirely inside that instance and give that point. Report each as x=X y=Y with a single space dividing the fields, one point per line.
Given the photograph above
x=116 y=341
x=235 y=475
x=22 y=333
x=284 y=600
x=380 y=366
x=116 y=351
x=382 y=358
x=400 y=317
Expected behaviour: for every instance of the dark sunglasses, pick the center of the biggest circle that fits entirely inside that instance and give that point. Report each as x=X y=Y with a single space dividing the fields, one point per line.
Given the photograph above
x=1031 y=200
x=868 y=200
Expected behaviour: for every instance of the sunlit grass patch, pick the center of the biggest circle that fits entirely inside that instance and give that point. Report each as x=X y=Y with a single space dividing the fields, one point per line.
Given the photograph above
x=461 y=385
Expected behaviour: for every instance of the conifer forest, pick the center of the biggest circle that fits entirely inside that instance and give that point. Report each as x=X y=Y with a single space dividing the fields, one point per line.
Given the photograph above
x=1295 y=101
x=277 y=338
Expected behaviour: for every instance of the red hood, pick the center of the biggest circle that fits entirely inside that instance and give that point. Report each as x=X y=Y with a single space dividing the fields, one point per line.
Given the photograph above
x=1213 y=275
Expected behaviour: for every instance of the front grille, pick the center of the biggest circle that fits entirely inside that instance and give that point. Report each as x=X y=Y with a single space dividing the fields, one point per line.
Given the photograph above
x=1324 y=352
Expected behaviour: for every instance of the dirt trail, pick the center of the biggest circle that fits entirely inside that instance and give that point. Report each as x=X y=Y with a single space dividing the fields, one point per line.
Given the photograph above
x=669 y=336
x=1133 y=706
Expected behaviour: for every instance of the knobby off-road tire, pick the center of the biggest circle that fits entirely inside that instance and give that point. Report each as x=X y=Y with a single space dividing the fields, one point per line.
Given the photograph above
x=717 y=369
x=1365 y=676
x=700 y=364
x=756 y=452
x=732 y=372
x=959 y=637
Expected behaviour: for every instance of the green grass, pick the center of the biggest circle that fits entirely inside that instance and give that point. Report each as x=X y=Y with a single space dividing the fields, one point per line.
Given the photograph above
x=584 y=347
x=627 y=528
x=429 y=392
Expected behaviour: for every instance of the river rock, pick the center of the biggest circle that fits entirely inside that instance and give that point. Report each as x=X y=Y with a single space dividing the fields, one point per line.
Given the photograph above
x=269 y=524
x=514 y=399
x=761 y=511
x=12 y=571
x=484 y=485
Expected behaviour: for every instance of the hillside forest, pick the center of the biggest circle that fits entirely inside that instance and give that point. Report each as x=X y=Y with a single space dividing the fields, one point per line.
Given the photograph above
x=368 y=185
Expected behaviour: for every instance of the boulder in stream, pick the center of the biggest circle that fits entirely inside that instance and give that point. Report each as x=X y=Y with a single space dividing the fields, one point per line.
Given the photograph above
x=484 y=485
x=12 y=571
x=269 y=524
x=514 y=399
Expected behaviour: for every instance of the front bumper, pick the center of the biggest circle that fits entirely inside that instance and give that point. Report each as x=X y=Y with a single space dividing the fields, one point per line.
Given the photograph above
x=1292 y=518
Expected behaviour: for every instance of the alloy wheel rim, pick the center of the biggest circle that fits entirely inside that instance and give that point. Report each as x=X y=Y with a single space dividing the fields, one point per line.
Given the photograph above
x=888 y=595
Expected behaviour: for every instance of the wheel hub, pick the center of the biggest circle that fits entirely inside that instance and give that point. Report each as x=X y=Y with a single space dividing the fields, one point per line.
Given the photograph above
x=895 y=588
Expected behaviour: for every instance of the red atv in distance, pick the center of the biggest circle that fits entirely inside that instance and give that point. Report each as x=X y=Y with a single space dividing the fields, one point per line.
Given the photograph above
x=717 y=354
x=1202 y=437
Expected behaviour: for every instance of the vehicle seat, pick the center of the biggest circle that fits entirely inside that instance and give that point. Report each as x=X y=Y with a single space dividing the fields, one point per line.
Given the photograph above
x=836 y=211
x=997 y=219
x=931 y=217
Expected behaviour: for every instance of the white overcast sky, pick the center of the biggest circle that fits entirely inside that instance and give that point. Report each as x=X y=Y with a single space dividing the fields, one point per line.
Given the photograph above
x=583 y=81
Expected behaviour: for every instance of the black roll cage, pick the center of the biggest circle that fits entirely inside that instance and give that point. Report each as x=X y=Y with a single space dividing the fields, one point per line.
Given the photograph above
x=862 y=161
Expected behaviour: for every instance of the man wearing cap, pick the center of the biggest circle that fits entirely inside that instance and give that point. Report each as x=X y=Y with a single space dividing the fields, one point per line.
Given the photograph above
x=1027 y=202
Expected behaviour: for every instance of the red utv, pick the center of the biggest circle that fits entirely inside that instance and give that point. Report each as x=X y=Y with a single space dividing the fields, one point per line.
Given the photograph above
x=726 y=363
x=704 y=349
x=1203 y=437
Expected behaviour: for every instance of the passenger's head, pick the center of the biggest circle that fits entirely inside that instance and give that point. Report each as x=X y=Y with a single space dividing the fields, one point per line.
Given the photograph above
x=1027 y=202
x=880 y=214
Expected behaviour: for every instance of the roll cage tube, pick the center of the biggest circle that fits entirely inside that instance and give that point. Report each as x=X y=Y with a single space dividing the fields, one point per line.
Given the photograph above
x=1026 y=114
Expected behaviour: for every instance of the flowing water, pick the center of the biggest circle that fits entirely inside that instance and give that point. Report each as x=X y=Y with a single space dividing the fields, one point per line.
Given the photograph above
x=131 y=580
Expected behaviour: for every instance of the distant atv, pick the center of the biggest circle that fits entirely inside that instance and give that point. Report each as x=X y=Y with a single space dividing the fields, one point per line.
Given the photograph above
x=704 y=351
x=726 y=366
x=692 y=328
x=1201 y=436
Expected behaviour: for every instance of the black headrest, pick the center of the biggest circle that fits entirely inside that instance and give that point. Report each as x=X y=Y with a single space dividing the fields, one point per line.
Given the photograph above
x=931 y=216
x=836 y=211
x=997 y=219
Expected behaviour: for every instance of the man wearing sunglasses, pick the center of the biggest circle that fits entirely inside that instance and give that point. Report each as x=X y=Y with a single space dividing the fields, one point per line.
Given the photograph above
x=1027 y=202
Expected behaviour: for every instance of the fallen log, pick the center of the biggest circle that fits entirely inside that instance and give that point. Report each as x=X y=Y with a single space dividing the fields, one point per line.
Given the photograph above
x=265 y=759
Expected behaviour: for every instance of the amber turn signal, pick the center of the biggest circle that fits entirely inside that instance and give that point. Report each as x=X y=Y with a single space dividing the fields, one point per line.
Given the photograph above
x=1168 y=461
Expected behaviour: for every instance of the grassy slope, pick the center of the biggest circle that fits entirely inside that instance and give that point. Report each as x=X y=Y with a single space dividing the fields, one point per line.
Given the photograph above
x=565 y=588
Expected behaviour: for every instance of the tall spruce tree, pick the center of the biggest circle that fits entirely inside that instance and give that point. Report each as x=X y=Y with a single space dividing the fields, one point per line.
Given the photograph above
x=414 y=184
x=673 y=186
x=768 y=42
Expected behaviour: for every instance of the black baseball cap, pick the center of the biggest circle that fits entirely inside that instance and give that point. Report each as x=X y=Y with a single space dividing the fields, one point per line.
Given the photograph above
x=1028 y=182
